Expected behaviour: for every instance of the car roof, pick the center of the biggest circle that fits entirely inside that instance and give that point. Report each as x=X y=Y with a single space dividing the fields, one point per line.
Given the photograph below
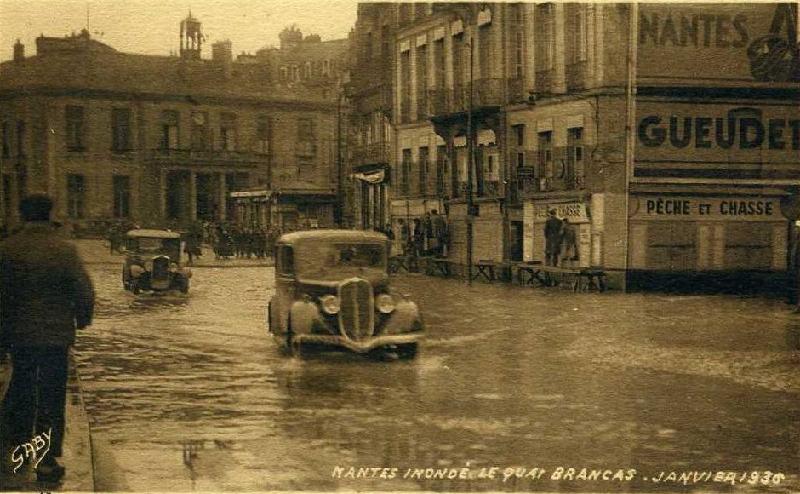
x=151 y=233
x=332 y=236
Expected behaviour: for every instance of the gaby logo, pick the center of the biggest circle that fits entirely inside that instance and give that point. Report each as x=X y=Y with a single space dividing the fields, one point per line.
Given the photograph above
x=775 y=57
x=32 y=450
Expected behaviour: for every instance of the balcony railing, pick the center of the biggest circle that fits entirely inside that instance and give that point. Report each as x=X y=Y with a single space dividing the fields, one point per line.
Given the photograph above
x=482 y=189
x=371 y=154
x=528 y=184
x=485 y=92
x=191 y=156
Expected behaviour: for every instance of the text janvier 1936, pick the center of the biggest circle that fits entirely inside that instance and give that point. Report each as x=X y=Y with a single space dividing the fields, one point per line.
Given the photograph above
x=561 y=474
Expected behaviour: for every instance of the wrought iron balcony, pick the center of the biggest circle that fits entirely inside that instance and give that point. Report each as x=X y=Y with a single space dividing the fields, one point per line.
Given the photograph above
x=205 y=157
x=371 y=154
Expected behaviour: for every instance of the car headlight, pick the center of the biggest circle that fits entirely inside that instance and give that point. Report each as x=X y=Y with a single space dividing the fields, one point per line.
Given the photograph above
x=385 y=303
x=330 y=304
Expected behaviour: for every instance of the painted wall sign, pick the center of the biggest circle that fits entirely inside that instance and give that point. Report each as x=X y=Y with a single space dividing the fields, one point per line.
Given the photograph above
x=740 y=41
x=709 y=133
x=575 y=211
x=716 y=209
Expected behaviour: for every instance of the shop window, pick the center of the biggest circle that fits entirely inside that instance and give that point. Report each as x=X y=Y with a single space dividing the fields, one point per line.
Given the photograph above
x=672 y=245
x=76 y=196
x=748 y=245
x=75 y=128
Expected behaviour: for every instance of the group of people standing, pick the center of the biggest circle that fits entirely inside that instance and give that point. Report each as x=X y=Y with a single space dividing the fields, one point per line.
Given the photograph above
x=560 y=238
x=426 y=236
x=245 y=243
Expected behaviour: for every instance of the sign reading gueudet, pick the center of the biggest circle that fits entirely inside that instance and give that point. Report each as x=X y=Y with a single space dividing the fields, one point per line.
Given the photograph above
x=731 y=41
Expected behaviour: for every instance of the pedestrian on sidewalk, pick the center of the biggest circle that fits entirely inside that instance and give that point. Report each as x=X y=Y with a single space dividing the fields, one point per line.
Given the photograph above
x=45 y=294
x=553 y=230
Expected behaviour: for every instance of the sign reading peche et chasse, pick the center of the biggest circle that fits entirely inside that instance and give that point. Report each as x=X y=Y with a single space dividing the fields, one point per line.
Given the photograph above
x=731 y=41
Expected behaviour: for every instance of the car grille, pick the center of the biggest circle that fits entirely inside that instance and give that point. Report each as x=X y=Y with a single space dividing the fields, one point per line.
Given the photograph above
x=356 y=312
x=160 y=268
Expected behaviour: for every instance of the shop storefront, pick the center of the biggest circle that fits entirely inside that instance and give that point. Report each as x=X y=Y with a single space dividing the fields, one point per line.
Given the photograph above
x=371 y=193
x=535 y=214
x=285 y=210
x=689 y=233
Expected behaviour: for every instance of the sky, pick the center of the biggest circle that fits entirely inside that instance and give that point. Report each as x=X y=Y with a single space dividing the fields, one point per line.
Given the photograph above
x=152 y=26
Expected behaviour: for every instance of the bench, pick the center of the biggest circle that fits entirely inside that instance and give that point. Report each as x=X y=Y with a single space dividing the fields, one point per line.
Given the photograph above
x=534 y=271
x=492 y=270
x=439 y=265
x=593 y=277
x=399 y=263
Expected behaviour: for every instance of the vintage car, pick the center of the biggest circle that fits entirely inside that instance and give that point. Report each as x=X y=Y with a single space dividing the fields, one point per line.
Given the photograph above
x=332 y=290
x=153 y=262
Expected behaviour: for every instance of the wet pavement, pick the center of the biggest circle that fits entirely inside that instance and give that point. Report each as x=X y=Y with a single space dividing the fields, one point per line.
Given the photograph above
x=190 y=393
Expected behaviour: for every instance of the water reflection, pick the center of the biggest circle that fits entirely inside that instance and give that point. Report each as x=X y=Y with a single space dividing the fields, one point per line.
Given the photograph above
x=508 y=377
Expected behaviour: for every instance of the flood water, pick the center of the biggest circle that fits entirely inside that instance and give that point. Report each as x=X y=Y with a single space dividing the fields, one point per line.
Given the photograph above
x=190 y=393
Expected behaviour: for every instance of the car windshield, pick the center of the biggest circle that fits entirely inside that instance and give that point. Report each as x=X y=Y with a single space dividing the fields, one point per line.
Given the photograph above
x=331 y=261
x=146 y=245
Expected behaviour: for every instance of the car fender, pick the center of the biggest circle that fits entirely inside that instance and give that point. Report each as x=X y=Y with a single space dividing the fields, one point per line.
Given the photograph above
x=303 y=316
x=404 y=319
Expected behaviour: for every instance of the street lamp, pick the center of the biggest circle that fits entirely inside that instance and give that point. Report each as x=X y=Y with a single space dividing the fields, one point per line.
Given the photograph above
x=470 y=165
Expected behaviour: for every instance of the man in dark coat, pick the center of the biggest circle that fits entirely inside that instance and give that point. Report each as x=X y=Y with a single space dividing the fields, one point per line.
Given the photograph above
x=553 y=229
x=45 y=294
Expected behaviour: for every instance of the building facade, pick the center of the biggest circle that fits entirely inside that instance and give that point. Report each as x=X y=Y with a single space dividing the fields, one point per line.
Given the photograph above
x=687 y=167
x=367 y=177
x=159 y=140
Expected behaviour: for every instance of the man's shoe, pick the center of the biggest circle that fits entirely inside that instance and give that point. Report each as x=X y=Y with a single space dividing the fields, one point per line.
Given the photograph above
x=49 y=471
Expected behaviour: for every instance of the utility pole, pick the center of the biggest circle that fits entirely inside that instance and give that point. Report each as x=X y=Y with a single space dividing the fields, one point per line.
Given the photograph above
x=470 y=165
x=339 y=209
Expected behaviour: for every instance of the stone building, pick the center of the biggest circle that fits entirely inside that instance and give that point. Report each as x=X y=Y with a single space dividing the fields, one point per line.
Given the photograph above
x=369 y=91
x=681 y=168
x=159 y=140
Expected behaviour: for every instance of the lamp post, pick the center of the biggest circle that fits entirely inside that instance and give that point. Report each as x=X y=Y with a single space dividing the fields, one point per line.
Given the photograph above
x=339 y=209
x=470 y=165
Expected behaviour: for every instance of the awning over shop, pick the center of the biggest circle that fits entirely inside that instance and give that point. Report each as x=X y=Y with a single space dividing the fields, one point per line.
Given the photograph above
x=371 y=178
x=251 y=195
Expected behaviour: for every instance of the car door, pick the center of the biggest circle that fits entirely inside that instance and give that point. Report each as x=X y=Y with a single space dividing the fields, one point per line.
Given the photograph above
x=284 y=288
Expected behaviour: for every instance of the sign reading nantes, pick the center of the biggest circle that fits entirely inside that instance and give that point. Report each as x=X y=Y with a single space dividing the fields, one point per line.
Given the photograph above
x=734 y=41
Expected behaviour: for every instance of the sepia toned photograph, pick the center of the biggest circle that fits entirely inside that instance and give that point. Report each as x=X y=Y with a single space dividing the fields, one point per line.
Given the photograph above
x=295 y=245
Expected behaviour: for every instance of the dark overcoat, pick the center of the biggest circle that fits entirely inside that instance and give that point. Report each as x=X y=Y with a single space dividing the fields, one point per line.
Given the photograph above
x=45 y=292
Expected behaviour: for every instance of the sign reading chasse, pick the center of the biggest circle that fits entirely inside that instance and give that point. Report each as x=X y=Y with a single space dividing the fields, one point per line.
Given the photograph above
x=716 y=209
x=734 y=41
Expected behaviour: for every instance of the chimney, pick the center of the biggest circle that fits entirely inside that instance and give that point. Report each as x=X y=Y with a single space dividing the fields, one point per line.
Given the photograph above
x=222 y=54
x=19 y=51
